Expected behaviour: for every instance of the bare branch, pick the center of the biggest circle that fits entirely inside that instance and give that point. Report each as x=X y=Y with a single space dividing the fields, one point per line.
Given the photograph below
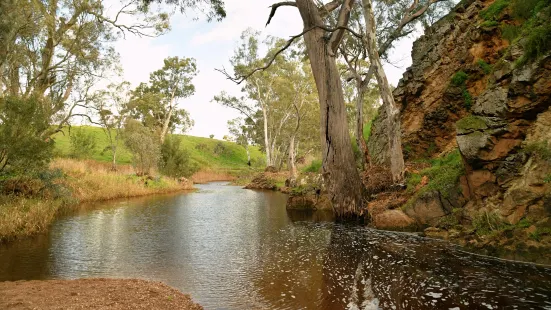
x=276 y=6
x=240 y=78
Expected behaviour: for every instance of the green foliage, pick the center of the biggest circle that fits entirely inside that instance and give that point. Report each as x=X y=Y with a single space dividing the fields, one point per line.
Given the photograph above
x=547 y=178
x=487 y=68
x=211 y=136
x=315 y=166
x=494 y=10
x=524 y=223
x=144 y=146
x=443 y=175
x=510 y=32
x=175 y=161
x=221 y=149
x=459 y=78
x=538 y=42
x=525 y=9
x=467 y=99
x=22 y=149
x=83 y=143
x=489 y=24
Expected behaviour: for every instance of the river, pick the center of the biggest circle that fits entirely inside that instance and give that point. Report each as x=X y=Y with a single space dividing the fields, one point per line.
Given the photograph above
x=232 y=248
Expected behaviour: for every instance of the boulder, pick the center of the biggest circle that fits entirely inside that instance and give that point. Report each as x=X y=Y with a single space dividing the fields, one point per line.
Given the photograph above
x=427 y=209
x=393 y=220
x=493 y=102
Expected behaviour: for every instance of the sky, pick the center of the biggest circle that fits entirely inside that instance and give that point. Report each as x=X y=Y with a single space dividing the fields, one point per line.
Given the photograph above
x=212 y=44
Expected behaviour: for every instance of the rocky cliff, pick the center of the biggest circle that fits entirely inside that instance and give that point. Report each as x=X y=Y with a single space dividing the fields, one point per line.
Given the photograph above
x=480 y=85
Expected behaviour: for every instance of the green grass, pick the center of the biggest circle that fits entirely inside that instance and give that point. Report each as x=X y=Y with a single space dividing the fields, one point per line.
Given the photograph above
x=489 y=24
x=494 y=10
x=510 y=32
x=314 y=167
x=443 y=175
x=206 y=152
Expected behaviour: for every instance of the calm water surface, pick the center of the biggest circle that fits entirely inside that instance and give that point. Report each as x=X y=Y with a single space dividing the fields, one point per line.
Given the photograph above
x=239 y=249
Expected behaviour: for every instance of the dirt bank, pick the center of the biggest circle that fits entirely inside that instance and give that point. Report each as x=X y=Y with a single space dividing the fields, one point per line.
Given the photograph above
x=92 y=294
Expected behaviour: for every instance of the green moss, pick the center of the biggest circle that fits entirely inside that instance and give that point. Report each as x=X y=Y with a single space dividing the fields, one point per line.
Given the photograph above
x=487 y=68
x=459 y=78
x=547 y=178
x=471 y=122
x=494 y=10
x=489 y=24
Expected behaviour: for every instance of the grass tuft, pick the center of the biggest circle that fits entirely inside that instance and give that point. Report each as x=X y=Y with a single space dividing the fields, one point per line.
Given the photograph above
x=494 y=10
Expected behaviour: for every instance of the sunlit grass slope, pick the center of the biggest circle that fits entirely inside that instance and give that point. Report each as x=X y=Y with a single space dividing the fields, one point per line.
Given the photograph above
x=207 y=153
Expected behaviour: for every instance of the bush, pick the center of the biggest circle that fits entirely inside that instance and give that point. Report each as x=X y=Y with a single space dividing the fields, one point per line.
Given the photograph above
x=487 y=222
x=484 y=66
x=315 y=166
x=175 y=161
x=540 y=150
x=220 y=149
x=538 y=42
x=83 y=143
x=510 y=32
x=22 y=148
x=459 y=78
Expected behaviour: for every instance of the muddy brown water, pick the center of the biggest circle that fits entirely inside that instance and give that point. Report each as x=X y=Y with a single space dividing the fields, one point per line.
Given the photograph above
x=232 y=248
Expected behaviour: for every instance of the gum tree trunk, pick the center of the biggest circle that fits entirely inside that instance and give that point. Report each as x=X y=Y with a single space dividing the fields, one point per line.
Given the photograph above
x=393 y=112
x=339 y=171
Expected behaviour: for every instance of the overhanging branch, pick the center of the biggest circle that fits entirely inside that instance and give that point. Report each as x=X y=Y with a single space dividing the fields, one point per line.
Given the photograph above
x=240 y=78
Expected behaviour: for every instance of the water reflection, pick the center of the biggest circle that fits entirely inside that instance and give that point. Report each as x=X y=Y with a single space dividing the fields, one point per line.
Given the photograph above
x=239 y=249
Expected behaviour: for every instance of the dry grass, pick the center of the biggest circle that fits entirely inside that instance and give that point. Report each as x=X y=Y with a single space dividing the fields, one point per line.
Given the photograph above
x=88 y=181
x=205 y=176
x=377 y=179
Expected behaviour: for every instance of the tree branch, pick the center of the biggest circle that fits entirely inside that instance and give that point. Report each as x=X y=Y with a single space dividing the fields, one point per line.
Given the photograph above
x=240 y=78
x=276 y=6
x=344 y=17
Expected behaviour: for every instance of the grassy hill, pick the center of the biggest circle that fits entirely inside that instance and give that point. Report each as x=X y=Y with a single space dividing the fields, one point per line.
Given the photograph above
x=209 y=154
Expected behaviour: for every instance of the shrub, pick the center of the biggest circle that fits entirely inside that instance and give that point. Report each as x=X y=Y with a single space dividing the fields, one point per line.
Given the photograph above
x=83 y=143
x=175 y=161
x=467 y=99
x=22 y=149
x=220 y=149
x=484 y=66
x=538 y=42
x=510 y=32
x=459 y=78
x=524 y=9
x=494 y=10
x=315 y=166
x=487 y=222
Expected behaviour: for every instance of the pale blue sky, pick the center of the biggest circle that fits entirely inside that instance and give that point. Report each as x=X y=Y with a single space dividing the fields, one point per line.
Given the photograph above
x=212 y=44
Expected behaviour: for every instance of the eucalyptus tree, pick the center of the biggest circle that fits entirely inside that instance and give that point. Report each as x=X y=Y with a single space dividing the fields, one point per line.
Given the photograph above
x=112 y=108
x=173 y=82
x=52 y=48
